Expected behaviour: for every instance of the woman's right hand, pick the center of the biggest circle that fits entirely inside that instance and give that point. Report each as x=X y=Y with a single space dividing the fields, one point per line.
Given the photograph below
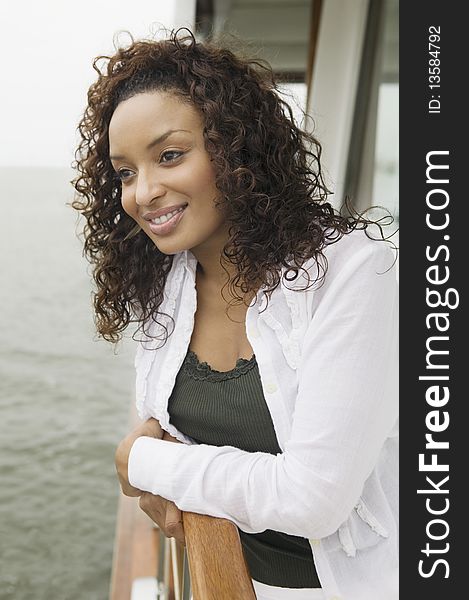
x=150 y=428
x=163 y=512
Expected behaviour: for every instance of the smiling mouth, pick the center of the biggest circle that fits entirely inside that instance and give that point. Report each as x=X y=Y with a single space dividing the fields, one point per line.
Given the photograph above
x=164 y=218
x=165 y=224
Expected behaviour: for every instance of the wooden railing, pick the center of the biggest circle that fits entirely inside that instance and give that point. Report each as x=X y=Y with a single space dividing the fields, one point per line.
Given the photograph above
x=147 y=565
x=217 y=565
x=145 y=560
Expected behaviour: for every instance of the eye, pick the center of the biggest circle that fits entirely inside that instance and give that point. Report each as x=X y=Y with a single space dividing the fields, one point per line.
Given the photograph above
x=170 y=156
x=123 y=174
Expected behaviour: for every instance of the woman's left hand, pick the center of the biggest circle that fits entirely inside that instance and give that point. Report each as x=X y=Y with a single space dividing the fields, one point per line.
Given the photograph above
x=151 y=428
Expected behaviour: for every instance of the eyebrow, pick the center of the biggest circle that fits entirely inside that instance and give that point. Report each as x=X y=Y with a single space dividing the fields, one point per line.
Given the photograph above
x=154 y=143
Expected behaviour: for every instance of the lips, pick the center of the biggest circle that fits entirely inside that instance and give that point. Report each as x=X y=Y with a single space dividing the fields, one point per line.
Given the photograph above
x=149 y=216
x=170 y=224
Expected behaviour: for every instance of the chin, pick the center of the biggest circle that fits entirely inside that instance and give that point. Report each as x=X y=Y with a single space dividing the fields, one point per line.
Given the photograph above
x=167 y=247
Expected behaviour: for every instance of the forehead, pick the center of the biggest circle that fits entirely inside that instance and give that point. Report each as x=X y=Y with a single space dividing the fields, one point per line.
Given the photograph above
x=153 y=112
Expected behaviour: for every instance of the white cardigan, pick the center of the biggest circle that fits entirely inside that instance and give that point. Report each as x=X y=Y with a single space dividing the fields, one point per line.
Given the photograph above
x=327 y=359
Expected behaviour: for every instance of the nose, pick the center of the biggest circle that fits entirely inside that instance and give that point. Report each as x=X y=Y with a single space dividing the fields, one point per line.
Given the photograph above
x=149 y=187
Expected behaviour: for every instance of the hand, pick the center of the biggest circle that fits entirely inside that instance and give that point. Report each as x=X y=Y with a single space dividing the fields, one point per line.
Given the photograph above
x=150 y=428
x=163 y=512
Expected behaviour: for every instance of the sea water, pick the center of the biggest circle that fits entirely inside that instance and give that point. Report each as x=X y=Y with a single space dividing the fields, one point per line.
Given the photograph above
x=65 y=400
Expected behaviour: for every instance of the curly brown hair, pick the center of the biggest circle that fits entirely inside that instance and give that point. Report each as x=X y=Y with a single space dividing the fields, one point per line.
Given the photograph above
x=267 y=172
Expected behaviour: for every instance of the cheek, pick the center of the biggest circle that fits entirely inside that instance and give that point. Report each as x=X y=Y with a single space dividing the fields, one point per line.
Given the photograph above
x=200 y=176
x=127 y=204
x=208 y=191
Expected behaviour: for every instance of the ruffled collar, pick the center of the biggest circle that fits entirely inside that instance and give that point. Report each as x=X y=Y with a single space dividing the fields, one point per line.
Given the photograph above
x=203 y=371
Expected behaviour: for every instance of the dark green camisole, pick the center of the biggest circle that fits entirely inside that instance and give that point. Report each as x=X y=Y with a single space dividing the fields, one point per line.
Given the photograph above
x=228 y=408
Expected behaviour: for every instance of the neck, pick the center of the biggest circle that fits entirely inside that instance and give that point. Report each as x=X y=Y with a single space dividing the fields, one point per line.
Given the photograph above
x=211 y=272
x=208 y=255
x=211 y=278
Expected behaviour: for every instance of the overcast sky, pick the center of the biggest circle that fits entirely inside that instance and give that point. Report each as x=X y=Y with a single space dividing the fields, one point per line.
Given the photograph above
x=47 y=48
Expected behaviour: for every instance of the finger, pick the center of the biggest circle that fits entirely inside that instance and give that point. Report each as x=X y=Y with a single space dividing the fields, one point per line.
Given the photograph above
x=127 y=489
x=149 y=504
x=154 y=507
x=173 y=523
x=144 y=501
x=169 y=438
x=153 y=428
x=165 y=514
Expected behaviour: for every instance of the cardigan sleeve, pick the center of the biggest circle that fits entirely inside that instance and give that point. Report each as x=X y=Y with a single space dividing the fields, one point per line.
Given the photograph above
x=345 y=408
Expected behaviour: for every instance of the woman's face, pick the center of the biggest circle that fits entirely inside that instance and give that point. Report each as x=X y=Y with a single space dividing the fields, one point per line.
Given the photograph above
x=157 y=148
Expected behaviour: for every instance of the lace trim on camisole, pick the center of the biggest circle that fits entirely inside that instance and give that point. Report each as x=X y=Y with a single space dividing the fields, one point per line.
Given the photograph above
x=203 y=371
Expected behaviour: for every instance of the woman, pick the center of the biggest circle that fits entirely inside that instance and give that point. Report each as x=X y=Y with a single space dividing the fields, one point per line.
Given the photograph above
x=266 y=321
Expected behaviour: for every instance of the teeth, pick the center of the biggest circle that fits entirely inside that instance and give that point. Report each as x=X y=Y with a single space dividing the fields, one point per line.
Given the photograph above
x=166 y=217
